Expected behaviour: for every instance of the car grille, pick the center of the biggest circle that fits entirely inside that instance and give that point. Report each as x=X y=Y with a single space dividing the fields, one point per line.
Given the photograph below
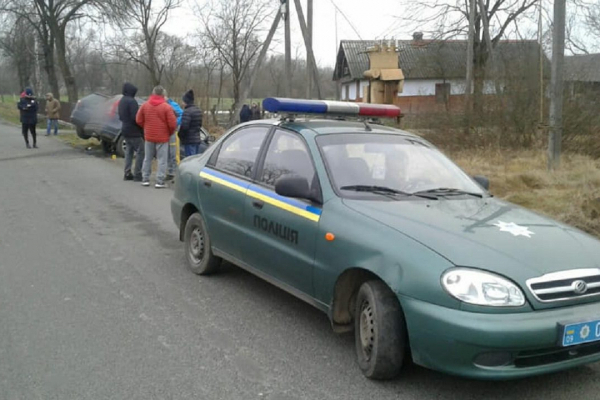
x=566 y=285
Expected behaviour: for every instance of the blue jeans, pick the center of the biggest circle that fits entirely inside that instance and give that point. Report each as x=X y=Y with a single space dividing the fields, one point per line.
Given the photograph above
x=191 y=149
x=52 y=122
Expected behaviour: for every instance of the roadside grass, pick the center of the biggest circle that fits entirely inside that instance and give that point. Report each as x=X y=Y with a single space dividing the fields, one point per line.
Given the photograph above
x=71 y=138
x=570 y=194
x=9 y=111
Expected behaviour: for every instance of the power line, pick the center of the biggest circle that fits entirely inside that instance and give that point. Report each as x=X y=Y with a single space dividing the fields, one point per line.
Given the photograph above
x=347 y=20
x=390 y=29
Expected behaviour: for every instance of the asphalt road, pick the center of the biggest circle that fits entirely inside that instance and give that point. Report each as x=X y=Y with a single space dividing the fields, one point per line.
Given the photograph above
x=96 y=303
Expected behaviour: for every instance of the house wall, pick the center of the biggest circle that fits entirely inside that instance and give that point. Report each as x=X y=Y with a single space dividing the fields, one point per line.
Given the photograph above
x=351 y=90
x=412 y=87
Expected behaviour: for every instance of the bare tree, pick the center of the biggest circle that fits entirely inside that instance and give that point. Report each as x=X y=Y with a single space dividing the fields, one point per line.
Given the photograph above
x=149 y=17
x=27 y=10
x=231 y=29
x=18 y=47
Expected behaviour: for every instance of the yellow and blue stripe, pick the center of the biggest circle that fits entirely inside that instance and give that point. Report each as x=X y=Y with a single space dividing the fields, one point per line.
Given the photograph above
x=285 y=203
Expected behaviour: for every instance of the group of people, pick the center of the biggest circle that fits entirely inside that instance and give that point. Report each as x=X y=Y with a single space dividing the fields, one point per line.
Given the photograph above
x=150 y=132
x=28 y=109
x=249 y=114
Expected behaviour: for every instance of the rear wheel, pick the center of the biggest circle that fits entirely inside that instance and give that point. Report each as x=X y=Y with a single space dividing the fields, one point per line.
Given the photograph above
x=81 y=133
x=380 y=331
x=121 y=147
x=198 y=252
x=107 y=146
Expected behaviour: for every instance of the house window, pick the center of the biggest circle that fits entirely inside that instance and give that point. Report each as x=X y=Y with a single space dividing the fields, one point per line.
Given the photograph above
x=347 y=96
x=442 y=92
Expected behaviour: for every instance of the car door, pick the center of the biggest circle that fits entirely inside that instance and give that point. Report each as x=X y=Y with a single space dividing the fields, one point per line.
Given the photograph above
x=281 y=232
x=223 y=184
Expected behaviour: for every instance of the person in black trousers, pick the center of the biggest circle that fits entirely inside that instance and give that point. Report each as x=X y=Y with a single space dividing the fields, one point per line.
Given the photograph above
x=132 y=132
x=28 y=106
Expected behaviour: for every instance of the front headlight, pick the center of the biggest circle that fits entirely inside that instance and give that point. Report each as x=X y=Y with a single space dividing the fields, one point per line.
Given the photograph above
x=482 y=288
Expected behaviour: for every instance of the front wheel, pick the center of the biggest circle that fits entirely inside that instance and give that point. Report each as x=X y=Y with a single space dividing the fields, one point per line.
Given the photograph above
x=198 y=252
x=380 y=331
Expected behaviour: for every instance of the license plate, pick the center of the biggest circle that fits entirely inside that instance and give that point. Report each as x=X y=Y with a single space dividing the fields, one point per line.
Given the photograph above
x=580 y=332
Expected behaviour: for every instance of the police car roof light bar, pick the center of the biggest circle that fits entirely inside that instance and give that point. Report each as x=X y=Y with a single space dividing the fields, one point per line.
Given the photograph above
x=303 y=106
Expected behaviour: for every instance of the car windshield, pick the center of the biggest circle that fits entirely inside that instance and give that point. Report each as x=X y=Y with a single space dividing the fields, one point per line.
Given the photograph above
x=394 y=163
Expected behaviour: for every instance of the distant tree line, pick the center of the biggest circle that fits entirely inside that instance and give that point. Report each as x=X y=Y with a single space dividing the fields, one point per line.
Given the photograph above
x=75 y=47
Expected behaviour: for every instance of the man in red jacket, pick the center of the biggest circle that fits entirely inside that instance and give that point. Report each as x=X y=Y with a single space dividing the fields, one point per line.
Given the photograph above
x=157 y=119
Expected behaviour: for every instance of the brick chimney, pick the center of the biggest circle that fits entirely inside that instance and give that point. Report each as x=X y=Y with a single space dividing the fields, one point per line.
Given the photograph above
x=418 y=36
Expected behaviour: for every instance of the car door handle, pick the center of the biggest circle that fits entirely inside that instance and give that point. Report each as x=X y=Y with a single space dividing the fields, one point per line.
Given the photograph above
x=207 y=183
x=258 y=204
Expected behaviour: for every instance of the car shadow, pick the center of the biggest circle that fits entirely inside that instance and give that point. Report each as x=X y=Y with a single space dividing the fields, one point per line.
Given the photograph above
x=577 y=382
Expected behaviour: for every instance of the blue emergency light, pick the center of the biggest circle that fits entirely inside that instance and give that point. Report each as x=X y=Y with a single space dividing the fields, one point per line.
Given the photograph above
x=302 y=106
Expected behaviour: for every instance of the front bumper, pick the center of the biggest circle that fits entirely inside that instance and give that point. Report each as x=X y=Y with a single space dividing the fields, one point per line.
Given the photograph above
x=495 y=346
x=176 y=209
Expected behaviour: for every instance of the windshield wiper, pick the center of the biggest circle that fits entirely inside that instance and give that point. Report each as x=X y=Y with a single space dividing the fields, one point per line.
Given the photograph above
x=384 y=190
x=448 y=191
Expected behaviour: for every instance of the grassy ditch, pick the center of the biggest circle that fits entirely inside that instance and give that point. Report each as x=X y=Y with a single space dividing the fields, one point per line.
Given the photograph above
x=570 y=195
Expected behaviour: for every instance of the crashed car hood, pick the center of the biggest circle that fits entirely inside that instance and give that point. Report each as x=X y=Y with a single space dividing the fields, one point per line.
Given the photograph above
x=488 y=234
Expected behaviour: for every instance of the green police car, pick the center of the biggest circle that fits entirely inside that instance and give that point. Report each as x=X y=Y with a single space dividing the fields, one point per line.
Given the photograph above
x=377 y=228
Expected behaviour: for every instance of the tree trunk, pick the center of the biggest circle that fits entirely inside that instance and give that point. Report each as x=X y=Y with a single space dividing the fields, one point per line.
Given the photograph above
x=61 y=55
x=47 y=44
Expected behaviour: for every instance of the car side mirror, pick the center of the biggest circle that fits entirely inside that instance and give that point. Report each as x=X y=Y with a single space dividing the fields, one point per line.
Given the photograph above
x=294 y=186
x=483 y=181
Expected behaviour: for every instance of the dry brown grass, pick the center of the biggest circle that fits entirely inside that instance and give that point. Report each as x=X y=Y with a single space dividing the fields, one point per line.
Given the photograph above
x=570 y=195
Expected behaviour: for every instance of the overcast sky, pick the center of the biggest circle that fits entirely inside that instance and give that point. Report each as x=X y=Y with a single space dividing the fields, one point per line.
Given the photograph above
x=372 y=19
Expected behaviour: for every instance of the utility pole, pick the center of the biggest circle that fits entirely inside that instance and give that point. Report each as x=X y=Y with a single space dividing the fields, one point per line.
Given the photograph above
x=310 y=54
x=540 y=36
x=309 y=23
x=470 y=43
x=288 y=49
x=556 y=85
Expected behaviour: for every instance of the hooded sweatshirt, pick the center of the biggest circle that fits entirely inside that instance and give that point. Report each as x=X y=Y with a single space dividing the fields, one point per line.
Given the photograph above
x=157 y=118
x=52 y=107
x=191 y=121
x=128 y=108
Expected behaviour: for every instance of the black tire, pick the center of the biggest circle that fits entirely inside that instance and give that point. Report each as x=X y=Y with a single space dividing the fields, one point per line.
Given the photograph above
x=198 y=252
x=380 y=331
x=81 y=133
x=107 y=146
x=121 y=147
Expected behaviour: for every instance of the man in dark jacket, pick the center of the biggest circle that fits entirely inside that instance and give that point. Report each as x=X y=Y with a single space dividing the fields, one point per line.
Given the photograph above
x=28 y=107
x=245 y=113
x=191 y=122
x=132 y=133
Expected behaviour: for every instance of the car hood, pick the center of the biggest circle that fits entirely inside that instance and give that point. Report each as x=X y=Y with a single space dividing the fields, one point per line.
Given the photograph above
x=487 y=233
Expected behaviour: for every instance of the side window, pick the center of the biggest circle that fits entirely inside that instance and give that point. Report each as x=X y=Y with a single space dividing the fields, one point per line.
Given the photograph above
x=238 y=152
x=287 y=155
